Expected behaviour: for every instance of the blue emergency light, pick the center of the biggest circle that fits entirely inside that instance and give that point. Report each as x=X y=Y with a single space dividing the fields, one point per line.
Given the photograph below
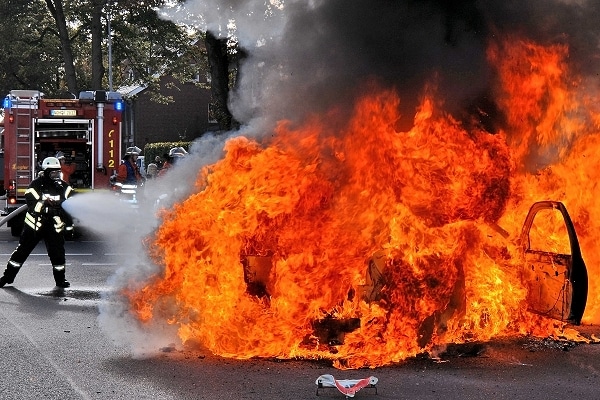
x=119 y=105
x=6 y=103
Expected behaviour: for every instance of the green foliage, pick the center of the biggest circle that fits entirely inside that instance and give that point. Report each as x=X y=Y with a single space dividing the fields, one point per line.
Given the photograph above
x=144 y=45
x=31 y=56
x=151 y=150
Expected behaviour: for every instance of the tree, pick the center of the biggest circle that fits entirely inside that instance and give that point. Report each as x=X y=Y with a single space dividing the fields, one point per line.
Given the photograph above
x=96 y=30
x=218 y=59
x=58 y=46
x=147 y=45
x=30 y=55
x=224 y=52
x=56 y=9
x=141 y=38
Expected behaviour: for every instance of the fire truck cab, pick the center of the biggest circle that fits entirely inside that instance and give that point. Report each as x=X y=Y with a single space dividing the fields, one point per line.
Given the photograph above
x=87 y=130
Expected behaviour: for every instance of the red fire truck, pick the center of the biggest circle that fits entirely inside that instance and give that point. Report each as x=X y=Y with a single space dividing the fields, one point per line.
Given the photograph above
x=86 y=130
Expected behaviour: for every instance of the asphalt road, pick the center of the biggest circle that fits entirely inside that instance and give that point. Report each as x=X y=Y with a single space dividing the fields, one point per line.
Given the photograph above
x=52 y=347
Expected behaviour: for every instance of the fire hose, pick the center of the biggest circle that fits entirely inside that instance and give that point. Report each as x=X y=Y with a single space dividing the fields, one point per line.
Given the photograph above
x=13 y=214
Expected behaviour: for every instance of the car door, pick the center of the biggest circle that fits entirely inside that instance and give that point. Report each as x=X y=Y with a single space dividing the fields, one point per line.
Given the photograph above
x=553 y=270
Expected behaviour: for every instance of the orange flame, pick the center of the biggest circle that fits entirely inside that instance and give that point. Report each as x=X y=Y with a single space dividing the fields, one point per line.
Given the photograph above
x=325 y=209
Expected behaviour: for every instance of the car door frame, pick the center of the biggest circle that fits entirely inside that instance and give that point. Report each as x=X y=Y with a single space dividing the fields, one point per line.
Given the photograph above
x=541 y=270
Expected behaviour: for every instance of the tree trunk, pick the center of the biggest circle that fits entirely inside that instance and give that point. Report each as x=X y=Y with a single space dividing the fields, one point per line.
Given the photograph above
x=57 y=11
x=96 y=29
x=218 y=60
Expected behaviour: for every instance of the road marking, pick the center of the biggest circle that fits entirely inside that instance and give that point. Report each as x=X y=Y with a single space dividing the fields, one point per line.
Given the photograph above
x=45 y=254
x=82 y=264
x=99 y=264
x=44 y=265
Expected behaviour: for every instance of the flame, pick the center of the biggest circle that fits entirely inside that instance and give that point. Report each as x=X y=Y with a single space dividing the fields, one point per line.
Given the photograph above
x=321 y=210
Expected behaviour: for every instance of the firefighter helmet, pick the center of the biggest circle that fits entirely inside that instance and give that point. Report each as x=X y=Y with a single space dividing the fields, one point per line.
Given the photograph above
x=177 y=152
x=50 y=163
x=51 y=168
x=134 y=150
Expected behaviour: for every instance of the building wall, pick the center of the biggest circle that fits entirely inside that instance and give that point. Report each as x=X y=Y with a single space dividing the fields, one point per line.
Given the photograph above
x=186 y=118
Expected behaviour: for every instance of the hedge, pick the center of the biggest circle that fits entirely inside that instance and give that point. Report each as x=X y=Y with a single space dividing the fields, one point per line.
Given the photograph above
x=151 y=150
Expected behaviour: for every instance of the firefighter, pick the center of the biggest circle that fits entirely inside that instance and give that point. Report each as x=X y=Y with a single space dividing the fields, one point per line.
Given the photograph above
x=151 y=171
x=159 y=162
x=165 y=165
x=44 y=219
x=175 y=154
x=129 y=172
x=66 y=169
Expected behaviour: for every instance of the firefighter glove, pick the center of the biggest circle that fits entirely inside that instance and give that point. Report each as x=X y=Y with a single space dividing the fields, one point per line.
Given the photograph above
x=59 y=225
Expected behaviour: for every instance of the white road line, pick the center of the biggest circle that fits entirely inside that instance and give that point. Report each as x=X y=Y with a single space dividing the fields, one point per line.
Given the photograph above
x=97 y=264
x=67 y=264
x=45 y=254
x=82 y=264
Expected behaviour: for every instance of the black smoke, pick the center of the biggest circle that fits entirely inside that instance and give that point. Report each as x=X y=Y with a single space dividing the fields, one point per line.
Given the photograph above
x=308 y=56
x=312 y=55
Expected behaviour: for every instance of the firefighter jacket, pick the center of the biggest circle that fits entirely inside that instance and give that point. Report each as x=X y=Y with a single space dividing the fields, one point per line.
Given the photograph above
x=129 y=172
x=67 y=170
x=44 y=198
x=165 y=168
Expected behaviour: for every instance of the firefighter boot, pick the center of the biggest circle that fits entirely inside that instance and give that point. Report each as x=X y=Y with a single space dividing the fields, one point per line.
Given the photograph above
x=59 y=276
x=11 y=271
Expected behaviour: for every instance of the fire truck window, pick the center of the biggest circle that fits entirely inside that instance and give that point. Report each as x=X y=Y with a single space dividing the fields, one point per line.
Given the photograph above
x=549 y=233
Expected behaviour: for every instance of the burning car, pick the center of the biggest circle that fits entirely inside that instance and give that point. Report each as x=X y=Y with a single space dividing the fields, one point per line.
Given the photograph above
x=366 y=243
x=557 y=282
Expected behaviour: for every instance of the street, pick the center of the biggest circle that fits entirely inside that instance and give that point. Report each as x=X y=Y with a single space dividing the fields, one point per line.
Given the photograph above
x=53 y=346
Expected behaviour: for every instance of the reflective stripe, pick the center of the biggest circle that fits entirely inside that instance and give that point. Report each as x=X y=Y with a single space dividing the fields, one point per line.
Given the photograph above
x=14 y=264
x=68 y=191
x=33 y=192
x=58 y=267
x=34 y=223
x=58 y=224
x=38 y=206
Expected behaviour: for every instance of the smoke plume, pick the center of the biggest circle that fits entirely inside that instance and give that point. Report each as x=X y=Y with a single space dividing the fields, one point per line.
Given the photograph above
x=307 y=56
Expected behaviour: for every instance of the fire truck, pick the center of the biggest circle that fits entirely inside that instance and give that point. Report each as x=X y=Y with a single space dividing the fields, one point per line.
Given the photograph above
x=87 y=130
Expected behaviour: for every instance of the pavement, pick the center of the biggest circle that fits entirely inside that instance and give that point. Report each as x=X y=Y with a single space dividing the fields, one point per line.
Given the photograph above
x=53 y=346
